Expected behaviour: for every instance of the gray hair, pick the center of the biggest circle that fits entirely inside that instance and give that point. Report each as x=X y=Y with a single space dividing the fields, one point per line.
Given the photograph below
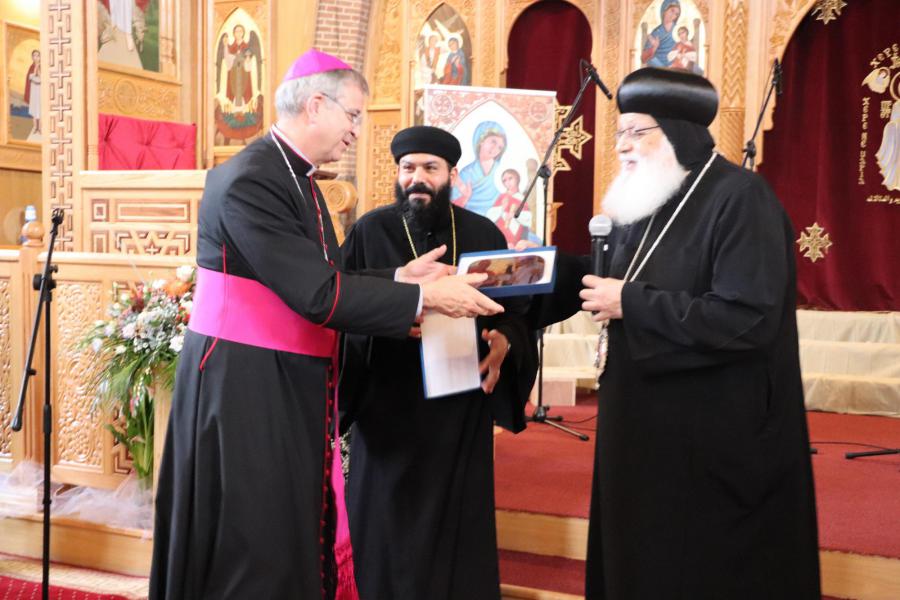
x=291 y=96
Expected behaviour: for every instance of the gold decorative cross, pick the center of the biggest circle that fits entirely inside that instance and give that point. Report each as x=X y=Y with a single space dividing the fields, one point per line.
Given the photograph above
x=573 y=138
x=828 y=10
x=814 y=243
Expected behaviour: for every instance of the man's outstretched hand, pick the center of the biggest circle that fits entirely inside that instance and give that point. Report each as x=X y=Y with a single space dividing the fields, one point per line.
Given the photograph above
x=456 y=296
x=491 y=364
x=425 y=268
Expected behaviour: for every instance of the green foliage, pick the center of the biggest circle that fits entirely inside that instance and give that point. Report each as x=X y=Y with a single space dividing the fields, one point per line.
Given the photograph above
x=138 y=349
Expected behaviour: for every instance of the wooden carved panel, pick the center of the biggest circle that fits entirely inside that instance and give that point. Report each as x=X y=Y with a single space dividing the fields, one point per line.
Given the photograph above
x=149 y=222
x=6 y=383
x=731 y=133
x=734 y=75
x=21 y=159
x=162 y=243
x=59 y=88
x=382 y=173
x=120 y=457
x=488 y=54
x=140 y=97
x=387 y=73
x=605 y=125
x=784 y=22
x=734 y=81
x=79 y=435
x=340 y=196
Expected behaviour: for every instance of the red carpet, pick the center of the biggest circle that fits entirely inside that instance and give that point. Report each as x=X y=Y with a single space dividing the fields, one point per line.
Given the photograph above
x=542 y=572
x=858 y=500
x=543 y=470
x=16 y=589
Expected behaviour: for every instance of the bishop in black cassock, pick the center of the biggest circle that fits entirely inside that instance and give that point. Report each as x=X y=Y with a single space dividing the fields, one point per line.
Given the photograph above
x=245 y=507
x=421 y=478
x=702 y=478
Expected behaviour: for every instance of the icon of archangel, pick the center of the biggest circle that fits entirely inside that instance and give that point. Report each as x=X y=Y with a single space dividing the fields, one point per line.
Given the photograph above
x=239 y=83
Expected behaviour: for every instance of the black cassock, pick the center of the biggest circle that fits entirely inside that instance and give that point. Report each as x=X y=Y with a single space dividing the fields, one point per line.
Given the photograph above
x=239 y=511
x=421 y=484
x=702 y=477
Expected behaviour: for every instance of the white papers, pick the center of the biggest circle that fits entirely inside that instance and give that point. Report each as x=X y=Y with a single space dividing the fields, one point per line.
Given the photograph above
x=449 y=355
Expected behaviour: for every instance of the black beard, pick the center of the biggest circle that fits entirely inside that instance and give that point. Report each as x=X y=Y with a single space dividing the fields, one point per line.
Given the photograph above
x=423 y=215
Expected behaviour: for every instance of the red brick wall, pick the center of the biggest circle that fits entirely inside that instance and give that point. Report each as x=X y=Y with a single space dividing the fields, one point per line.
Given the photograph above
x=342 y=28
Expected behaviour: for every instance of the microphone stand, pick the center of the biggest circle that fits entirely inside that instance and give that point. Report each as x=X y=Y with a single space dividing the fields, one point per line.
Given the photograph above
x=540 y=412
x=44 y=284
x=774 y=84
x=852 y=455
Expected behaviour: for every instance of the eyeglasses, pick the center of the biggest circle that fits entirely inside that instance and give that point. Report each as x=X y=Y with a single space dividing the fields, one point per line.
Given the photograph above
x=632 y=133
x=355 y=117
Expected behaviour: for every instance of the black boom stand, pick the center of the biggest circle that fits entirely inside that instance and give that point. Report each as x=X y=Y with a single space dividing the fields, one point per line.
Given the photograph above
x=44 y=283
x=540 y=412
x=775 y=85
x=852 y=455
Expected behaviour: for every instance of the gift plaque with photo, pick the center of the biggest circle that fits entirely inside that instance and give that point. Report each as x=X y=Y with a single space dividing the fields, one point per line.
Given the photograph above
x=512 y=273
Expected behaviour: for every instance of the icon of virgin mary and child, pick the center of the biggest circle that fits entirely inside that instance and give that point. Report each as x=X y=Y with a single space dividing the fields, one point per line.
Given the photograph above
x=476 y=187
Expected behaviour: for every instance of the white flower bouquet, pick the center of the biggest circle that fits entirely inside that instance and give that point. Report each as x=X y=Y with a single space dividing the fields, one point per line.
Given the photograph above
x=138 y=348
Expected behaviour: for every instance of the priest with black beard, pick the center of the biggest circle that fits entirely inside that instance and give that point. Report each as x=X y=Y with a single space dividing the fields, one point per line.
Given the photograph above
x=702 y=478
x=420 y=494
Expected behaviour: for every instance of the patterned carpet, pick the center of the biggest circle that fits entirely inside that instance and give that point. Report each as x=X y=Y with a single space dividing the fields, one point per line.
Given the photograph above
x=21 y=578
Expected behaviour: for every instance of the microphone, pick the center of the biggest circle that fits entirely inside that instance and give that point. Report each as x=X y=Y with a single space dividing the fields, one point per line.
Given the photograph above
x=777 y=76
x=592 y=73
x=599 y=227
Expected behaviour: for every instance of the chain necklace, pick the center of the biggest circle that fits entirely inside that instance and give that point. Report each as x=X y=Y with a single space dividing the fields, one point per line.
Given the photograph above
x=629 y=277
x=452 y=230
x=603 y=341
x=300 y=191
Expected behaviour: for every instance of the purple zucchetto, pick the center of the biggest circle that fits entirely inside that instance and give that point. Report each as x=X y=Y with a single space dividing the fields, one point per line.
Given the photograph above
x=313 y=61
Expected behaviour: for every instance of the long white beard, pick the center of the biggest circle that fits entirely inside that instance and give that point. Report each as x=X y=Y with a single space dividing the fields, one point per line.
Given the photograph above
x=634 y=195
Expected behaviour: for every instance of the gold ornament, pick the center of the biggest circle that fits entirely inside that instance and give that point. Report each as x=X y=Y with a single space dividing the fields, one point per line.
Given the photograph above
x=573 y=138
x=828 y=10
x=814 y=243
x=452 y=229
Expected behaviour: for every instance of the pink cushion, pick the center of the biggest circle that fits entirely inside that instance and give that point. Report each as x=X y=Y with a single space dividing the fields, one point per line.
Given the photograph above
x=138 y=144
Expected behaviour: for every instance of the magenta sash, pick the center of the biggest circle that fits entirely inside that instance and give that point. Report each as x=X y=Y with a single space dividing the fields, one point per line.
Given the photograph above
x=247 y=312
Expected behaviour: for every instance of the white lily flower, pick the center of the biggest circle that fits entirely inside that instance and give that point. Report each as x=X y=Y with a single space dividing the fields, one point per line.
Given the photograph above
x=184 y=273
x=177 y=343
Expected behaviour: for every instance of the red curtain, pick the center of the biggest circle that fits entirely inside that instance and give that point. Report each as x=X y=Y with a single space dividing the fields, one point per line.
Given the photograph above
x=840 y=110
x=545 y=45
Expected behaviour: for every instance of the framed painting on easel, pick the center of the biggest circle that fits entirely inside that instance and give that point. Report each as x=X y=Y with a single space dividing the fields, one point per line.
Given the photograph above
x=504 y=134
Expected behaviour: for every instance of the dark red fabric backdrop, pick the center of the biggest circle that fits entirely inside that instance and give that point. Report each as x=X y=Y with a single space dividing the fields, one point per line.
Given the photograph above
x=545 y=45
x=820 y=156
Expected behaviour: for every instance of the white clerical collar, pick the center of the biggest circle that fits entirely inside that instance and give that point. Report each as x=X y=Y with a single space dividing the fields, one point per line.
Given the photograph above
x=284 y=138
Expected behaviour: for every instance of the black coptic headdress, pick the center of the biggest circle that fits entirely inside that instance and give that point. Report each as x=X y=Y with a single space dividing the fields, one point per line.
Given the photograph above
x=428 y=140
x=684 y=104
